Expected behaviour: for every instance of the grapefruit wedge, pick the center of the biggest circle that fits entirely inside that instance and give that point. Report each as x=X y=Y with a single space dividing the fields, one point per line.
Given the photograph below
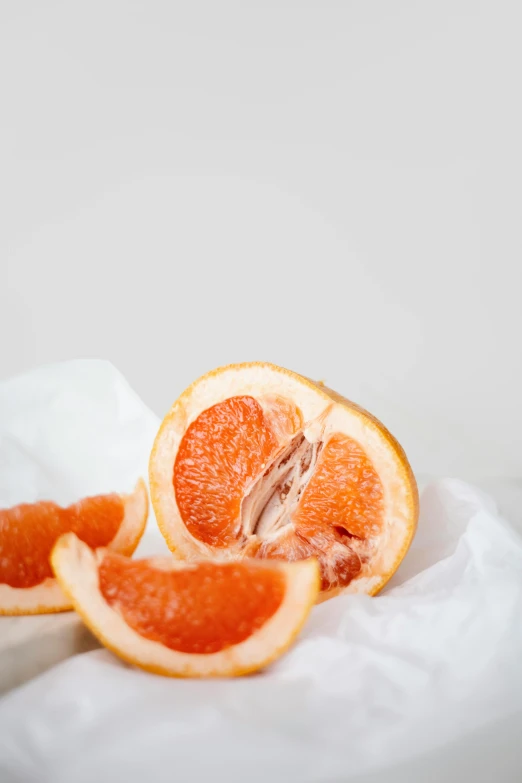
x=187 y=619
x=29 y=531
x=254 y=460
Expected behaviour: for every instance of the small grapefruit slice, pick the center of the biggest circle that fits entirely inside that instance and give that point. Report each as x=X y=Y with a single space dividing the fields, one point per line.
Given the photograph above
x=29 y=531
x=254 y=460
x=180 y=619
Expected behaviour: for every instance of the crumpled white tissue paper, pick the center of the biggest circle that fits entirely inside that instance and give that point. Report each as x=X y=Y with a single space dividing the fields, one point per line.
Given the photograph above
x=71 y=430
x=372 y=683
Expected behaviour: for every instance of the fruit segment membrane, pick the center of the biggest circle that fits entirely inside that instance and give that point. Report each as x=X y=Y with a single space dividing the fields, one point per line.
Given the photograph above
x=28 y=533
x=245 y=473
x=203 y=608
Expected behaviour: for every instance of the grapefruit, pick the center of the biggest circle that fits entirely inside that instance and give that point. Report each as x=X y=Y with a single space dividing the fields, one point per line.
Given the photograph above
x=256 y=461
x=29 y=531
x=187 y=619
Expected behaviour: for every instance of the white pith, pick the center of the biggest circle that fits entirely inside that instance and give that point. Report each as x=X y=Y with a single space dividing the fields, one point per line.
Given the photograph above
x=324 y=417
x=77 y=568
x=270 y=501
x=48 y=596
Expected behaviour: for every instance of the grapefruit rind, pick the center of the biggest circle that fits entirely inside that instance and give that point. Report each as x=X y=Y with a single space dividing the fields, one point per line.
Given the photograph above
x=401 y=503
x=134 y=521
x=76 y=568
x=47 y=597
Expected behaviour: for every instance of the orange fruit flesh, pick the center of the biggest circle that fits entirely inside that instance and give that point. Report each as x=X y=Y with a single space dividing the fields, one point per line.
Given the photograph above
x=222 y=451
x=202 y=609
x=28 y=533
x=337 y=516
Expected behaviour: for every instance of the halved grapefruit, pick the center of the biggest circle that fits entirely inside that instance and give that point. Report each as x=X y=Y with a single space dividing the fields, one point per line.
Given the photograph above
x=29 y=531
x=187 y=619
x=254 y=460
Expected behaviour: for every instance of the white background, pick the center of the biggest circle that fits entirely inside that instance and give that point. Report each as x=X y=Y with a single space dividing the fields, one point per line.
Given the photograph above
x=334 y=187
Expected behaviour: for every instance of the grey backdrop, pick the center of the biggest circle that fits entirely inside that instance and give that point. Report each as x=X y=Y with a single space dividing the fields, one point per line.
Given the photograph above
x=334 y=187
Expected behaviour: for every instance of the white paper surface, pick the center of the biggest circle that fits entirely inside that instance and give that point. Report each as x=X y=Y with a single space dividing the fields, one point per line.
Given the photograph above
x=371 y=683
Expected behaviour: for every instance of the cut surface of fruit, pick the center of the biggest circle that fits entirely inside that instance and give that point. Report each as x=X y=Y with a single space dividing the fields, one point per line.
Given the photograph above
x=29 y=531
x=196 y=610
x=187 y=619
x=225 y=449
x=254 y=460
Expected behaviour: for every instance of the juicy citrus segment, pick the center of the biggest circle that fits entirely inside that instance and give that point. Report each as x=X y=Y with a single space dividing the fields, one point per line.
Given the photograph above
x=221 y=453
x=187 y=620
x=202 y=609
x=28 y=533
x=345 y=493
x=319 y=476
